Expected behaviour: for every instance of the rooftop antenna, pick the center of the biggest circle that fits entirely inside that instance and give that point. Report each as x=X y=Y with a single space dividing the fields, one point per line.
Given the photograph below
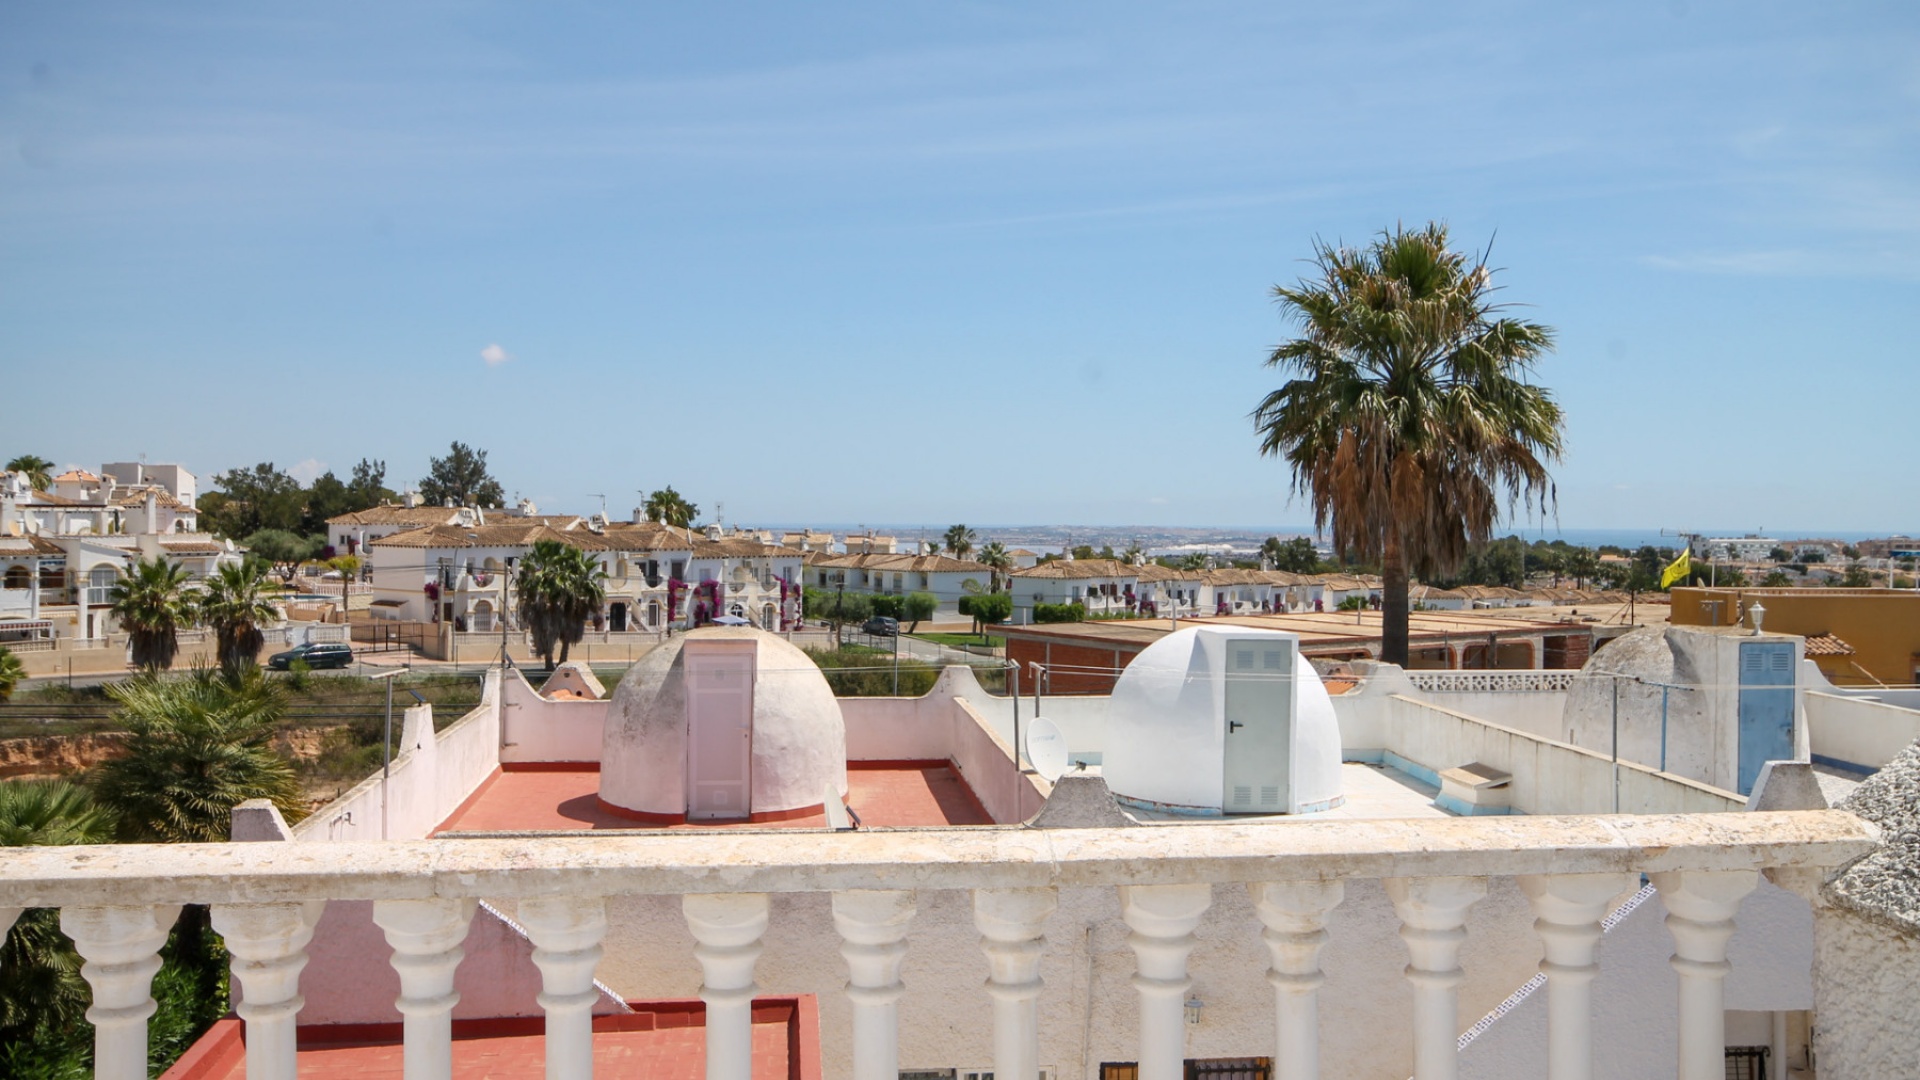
x=720 y=513
x=602 y=496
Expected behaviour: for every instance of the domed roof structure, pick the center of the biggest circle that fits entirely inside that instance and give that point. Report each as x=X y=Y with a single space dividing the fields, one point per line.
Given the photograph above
x=1231 y=720
x=723 y=723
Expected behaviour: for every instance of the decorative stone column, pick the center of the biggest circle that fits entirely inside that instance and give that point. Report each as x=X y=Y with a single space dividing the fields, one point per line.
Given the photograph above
x=268 y=943
x=1295 y=916
x=1700 y=909
x=1567 y=911
x=1163 y=918
x=727 y=927
x=1010 y=922
x=121 y=946
x=566 y=933
x=1433 y=919
x=425 y=936
x=873 y=931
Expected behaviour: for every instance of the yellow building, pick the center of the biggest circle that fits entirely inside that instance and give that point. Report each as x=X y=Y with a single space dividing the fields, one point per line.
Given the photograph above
x=1858 y=637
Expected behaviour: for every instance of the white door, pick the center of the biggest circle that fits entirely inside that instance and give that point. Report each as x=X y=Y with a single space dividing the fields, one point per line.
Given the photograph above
x=1259 y=741
x=719 y=734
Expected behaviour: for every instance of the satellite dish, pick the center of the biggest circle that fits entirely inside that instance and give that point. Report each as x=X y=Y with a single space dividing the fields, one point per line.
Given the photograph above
x=1046 y=749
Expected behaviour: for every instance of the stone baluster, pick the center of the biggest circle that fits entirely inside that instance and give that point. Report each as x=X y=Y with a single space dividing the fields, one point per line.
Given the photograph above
x=121 y=946
x=1163 y=918
x=1010 y=922
x=1295 y=916
x=1433 y=919
x=425 y=936
x=1700 y=909
x=268 y=943
x=873 y=931
x=566 y=933
x=1567 y=911
x=727 y=928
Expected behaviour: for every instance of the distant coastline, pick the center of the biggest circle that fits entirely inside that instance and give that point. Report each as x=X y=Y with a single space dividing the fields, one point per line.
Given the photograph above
x=1625 y=537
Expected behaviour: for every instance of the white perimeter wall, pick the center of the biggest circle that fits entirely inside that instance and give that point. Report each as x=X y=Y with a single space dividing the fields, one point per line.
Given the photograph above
x=1858 y=734
x=432 y=774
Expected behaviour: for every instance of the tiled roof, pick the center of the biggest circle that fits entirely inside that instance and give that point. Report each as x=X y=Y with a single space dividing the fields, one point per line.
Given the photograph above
x=1232 y=576
x=192 y=546
x=390 y=514
x=1827 y=645
x=648 y=536
x=1156 y=572
x=76 y=476
x=739 y=547
x=1078 y=570
x=455 y=536
x=920 y=564
x=29 y=545
x=138 y=496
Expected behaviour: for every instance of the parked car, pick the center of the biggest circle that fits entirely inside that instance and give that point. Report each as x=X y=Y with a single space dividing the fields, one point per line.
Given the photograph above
x=314 y=655
x=882 y=625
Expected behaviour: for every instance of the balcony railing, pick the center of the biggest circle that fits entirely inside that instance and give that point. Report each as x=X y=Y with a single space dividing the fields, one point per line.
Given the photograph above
x=118 y=903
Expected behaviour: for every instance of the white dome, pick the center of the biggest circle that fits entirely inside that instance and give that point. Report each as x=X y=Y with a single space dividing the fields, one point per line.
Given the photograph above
x=1167 y=727
x=797 y=741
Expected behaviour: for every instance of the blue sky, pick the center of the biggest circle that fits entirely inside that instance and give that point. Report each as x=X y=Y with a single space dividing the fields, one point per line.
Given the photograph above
x=928 y=263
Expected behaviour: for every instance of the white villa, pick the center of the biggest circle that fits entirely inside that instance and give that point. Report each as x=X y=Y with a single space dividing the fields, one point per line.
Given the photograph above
x=897 y=575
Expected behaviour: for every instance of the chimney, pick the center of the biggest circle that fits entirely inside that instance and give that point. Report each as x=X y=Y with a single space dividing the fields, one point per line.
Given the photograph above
x=713 y=532
x=410 y=499
x=151 y=507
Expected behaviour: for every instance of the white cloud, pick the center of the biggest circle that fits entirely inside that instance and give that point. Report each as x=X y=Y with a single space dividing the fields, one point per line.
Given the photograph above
x=494 y=355
x=308 y=471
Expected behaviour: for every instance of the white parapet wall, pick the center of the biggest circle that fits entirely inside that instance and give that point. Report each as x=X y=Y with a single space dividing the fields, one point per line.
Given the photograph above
x=432 y=773
x=534 y=728
x=1858 y=734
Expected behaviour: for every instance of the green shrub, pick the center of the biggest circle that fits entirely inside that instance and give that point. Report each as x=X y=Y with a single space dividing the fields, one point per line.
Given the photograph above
x=1060 y=613
x=893 y=607
x=864 y=673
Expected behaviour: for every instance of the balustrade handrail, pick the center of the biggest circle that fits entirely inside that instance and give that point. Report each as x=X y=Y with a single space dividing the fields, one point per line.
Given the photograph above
x=784 y=861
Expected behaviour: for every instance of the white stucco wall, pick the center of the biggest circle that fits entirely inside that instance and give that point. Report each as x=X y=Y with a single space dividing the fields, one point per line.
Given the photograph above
x=1866 y=977
x=431 y=775
x=536 y=729
x=1859 y=733
x=1634 y=1012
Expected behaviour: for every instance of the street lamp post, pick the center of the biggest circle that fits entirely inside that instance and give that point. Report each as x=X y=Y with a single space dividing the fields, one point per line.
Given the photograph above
x=386 y=749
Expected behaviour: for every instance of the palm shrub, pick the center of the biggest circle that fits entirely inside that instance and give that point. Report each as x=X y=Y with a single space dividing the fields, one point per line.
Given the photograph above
x=197 y=745
x=42 y=996
x=152 y=604
x=12 y=673
x=559 y=588
x=234 y=606
x=1408 y=419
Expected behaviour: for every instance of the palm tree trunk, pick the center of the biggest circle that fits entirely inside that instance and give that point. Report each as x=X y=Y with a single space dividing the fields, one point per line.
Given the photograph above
x=1393 y=602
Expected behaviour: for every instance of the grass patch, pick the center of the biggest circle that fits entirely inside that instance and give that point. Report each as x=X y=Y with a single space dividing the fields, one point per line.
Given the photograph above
x=959 y=641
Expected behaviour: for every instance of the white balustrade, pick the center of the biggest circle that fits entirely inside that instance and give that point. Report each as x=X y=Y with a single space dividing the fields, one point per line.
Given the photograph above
x=268 y=944
x=1295 y=916
x=1567 y=911
x=873 y=931
x=1010 y=922
x=1433 y=923
x=1508 y=682
x=1163 y=918
x=1700 y=909
x=121 y=946
x=727 y=928
x=566 y=932
x=265 y=897
x=425 y=936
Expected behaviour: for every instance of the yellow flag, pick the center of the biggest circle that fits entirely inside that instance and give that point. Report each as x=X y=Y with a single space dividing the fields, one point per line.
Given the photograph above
x=1678 y=568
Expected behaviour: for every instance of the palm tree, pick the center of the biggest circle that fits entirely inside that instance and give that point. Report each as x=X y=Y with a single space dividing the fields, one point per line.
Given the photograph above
x=234 y=606
x=1408 y=415
x=993 y=555
x=960 y=540
x=12 y=673
x=41 y=992
x=153 y=605
x=38 y=469
x=197 y=746
x=559 y=589
x=669 y=507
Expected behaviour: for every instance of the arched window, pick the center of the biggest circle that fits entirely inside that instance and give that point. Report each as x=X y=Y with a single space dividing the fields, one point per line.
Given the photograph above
x=18 y=577
x=102 y=577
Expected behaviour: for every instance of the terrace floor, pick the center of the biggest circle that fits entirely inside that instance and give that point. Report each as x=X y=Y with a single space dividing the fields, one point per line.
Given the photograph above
x=911 y=794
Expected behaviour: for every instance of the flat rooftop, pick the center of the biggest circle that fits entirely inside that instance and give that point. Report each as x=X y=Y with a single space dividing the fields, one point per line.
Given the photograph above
x=1372 y=791
x=900 y=794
